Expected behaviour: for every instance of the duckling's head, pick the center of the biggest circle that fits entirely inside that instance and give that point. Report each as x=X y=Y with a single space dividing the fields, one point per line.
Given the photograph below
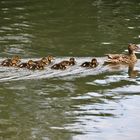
x=30 y=62
x=94 y=60
x=50 y=57
x=72 y=59
x=132 y=48
x=44 y=60
x=16 y=57
x=14 y=62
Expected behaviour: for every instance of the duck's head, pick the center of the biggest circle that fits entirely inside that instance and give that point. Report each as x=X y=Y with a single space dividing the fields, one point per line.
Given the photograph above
x=44 y=60
x=14 y=62
x=50 y=58
x=16 y=57
x=94 y=61
x=30 y=62
x=132 y=48
x=72 y=59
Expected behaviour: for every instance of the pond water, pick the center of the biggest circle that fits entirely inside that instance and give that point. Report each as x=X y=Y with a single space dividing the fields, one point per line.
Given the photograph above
x=78 y=103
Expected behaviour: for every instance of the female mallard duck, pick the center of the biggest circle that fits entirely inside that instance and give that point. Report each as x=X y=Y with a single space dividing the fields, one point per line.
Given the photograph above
x=91 y=64
x=11 y=61
x=58 y=67
x=71 y=62
x=122 y=58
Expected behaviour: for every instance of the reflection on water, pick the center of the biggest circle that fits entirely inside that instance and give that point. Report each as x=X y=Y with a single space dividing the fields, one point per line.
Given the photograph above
x=101 y=103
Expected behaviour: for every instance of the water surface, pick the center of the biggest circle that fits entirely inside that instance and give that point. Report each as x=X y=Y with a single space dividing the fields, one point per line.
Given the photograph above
x=76 y=104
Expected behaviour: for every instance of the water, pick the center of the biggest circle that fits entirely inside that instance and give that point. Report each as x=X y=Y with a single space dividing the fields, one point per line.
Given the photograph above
x=76 y=104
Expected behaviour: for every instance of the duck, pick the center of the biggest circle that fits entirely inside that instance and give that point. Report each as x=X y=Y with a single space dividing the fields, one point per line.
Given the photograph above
x=26 y=64
x=91 y=64
x=71 y=62
x=11 y=61
x=31 y=65
x=58 y=66
x=40 y=65
x=122 y=58
x=45 y=60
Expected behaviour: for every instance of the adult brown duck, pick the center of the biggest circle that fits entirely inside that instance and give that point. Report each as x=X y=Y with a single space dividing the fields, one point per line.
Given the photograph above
x=122 y=58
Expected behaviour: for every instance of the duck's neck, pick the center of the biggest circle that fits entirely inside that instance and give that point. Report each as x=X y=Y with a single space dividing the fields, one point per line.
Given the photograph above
x=132 y=55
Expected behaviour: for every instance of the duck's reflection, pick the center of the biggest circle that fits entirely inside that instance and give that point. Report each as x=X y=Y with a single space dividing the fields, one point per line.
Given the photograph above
x=131 y=71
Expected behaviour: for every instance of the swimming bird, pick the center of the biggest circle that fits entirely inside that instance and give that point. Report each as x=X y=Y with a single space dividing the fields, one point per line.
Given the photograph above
x=46 y=60
x=11 y=61
x=91 y=64
x=58 y=66
x=122 y=58
x=69 y=62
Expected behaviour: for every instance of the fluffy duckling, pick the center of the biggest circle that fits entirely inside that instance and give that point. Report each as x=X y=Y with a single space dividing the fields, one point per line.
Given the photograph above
x=71 y=62
x=50 y=58
x=122 y=58
x=91 y=64
x=45 y=60
x=40 y=65
x=11 y=62
x=31 y=65
x=58 y=66
x=26 y=64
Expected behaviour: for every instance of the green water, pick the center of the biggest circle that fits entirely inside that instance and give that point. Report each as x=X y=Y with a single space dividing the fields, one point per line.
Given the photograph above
x=69 y=105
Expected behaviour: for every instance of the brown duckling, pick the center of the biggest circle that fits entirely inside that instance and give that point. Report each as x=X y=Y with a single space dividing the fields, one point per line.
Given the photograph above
x=40 y=65
x=45 y=60
x=26 y=64
x=91 y=64
x=31 y=65
x=58 y=66
x=71 y=62
x=122 y=58
x=11 y=62
x=50 y=58
x=35 y=66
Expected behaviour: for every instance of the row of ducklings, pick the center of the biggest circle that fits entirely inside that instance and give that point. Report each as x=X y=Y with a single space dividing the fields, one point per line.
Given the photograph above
x=130 y=58
x=15 y=61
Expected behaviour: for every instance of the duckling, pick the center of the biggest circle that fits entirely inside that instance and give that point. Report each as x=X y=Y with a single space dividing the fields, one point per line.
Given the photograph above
x=45 y=60
x=23 y=65
x=31 y=65
x=40 y=65
x=91 y=64
x=6 y=62
x=121 y=58
x=58 y=66
x=71 y=62
x=49 y=58
x=11 y=62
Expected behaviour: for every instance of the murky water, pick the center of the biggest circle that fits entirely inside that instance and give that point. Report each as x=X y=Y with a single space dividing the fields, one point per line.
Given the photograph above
x=78 y=103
